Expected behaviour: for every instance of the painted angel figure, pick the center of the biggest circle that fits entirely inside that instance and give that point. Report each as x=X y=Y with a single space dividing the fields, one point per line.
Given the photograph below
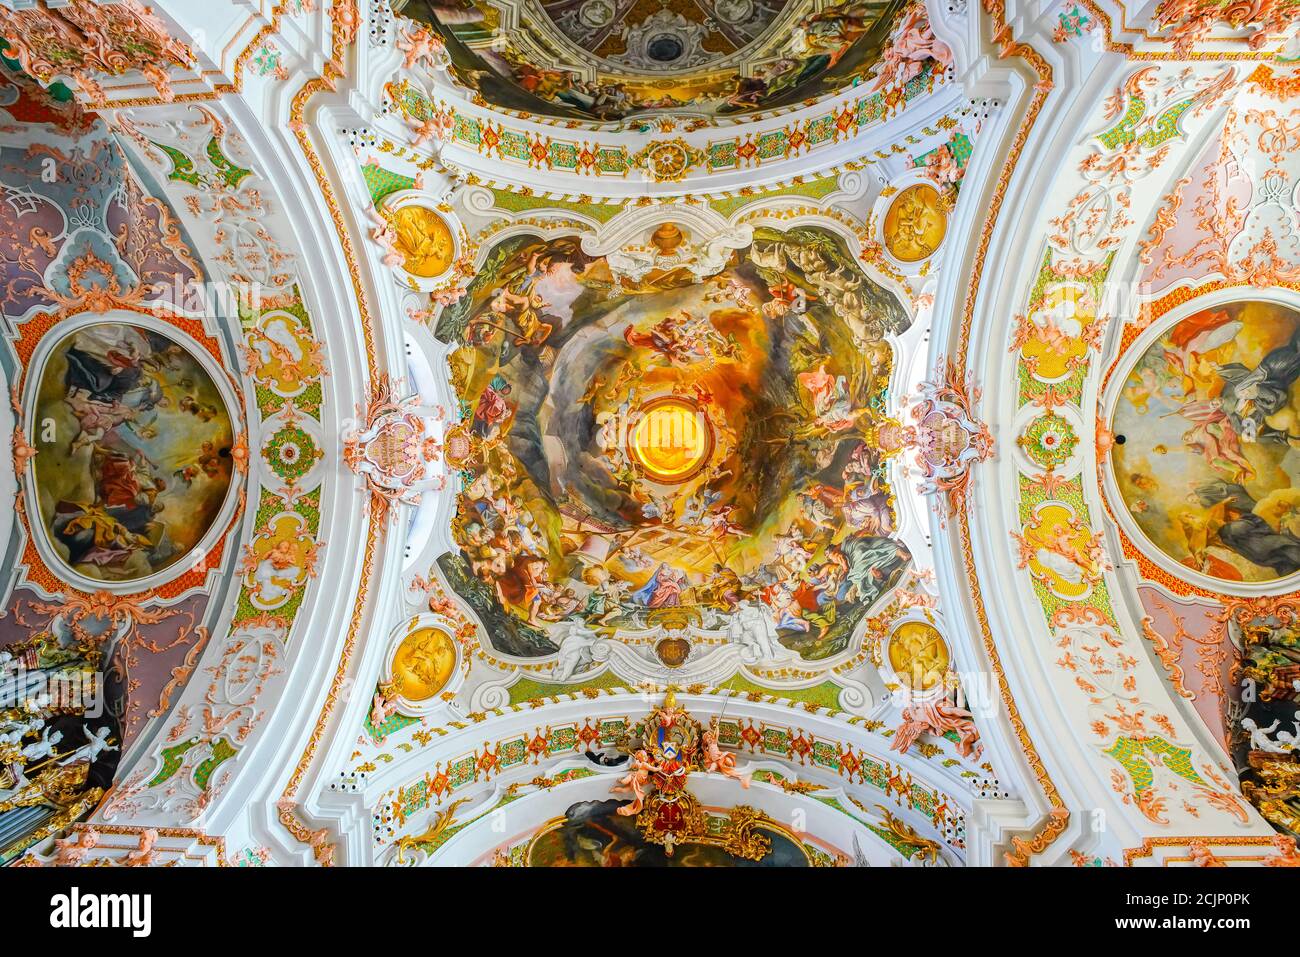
x=1287 y=856
x=1202 y=856
x=719 y=761
x=636 y=781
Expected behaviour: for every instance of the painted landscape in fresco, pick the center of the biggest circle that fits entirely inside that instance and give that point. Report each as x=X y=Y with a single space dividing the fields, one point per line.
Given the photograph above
x=593 y=834
x=133 y=448
x=1210 y=420
x=822 y=52
x=781 y=525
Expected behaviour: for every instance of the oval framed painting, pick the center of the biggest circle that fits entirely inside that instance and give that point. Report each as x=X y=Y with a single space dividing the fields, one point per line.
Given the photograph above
x=134 y=439
x=1207 y=456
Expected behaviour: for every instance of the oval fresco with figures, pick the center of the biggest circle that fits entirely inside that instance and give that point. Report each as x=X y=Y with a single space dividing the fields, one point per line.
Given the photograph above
x=134 y=451
x=1207 y=430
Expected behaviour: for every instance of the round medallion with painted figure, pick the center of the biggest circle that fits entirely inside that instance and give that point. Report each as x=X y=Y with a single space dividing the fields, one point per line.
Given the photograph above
x=919 y=655
x=425 y=240
x=915 y=223
x=423 y=663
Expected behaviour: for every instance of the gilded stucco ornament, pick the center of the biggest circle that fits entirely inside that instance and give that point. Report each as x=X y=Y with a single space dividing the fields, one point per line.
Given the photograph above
x=671 y=746
x=425 y=243
x=914 y=224
x=668 y=161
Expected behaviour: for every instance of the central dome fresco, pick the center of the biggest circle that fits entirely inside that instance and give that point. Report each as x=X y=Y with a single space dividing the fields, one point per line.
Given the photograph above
x=608 y=59
x=665 y=445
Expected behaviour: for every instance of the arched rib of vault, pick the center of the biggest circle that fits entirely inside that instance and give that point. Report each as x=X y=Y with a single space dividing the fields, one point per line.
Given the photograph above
x=1107 y=815
x=279 y=715
x=1003 y=89
x=828 y=821
x=459 y=759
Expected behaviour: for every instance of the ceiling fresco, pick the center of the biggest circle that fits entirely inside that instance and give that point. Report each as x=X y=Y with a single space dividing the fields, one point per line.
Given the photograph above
x=601 y=60
x=600 y=433
x=645 y=442
x=114 y=407
x=149 y=451
x=641 y=35
x=1206 y=465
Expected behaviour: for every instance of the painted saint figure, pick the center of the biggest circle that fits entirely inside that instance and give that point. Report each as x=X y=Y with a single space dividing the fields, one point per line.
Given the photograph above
x=663 y=590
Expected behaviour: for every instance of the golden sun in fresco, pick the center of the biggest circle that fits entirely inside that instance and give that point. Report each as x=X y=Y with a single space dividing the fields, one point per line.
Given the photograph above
x=915 y=223
x=671 y=440
x=425 y=240
x=423 y=663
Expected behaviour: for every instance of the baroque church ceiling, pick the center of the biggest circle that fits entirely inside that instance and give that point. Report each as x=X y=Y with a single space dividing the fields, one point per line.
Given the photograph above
x=600 y=60
x=608 y=433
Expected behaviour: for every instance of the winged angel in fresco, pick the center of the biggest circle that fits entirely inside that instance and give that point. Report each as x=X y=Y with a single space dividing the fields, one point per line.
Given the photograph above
x=1240 y=427
x=566 y=520
x=122 y=466
x=519 y=310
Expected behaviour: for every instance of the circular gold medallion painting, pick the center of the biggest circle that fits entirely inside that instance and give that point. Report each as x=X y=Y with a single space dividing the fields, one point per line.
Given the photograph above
x=915 y=223
x=918 y=655
x=423 y=663
x=425 y=239
x=671 y=440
